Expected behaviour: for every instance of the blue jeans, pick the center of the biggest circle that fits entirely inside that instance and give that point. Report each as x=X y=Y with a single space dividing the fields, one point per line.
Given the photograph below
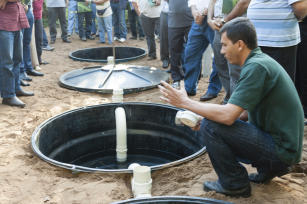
x=119 y=22
x=45 y=39
x=198 y=40
x=105 y=25
x=93 y=28
x=72 y=17
x=26 y=64
x=10 y=59
x=244 y=142
x=85 y=31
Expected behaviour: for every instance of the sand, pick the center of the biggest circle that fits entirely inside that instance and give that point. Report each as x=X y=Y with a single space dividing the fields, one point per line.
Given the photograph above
x=24 y=178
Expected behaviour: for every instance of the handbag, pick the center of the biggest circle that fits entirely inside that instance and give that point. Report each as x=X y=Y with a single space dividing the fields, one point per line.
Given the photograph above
x=100 y=12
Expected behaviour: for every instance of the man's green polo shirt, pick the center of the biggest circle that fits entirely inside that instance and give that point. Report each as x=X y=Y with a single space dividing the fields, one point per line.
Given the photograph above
x=268 y=94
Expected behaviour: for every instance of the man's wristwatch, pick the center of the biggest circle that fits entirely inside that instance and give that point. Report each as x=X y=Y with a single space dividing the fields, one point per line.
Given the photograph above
x=223 y=21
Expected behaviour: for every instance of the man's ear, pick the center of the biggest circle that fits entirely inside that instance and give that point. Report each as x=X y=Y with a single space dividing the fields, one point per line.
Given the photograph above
x=241 y=45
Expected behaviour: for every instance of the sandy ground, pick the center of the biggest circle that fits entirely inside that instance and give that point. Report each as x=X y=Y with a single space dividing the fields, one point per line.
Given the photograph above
x=24 y=178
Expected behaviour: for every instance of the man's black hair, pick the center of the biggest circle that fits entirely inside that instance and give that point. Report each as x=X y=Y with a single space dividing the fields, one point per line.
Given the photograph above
x=241 y=29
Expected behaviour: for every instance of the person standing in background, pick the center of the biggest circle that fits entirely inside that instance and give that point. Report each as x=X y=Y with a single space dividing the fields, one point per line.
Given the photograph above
x=301 y=67
x=278 y=33
x=57 y=10
x=104 y=16
x=135 y=24
x=119 y=19
x=12 y=20
x=164 y=50
x=149 y=13
x=72 y=18
x=85 y=12
x=179 y=23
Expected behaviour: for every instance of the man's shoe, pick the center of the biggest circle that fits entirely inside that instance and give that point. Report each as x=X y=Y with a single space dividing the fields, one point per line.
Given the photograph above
x=191 y=93
x=48 y=48
x=265 y=178
x=122 y=40
x=217 y=187
x=141 y=38
x=151 y=58
x=207 y=97
x=14 y=101
x=165 y=64
x=34 y=73
x=83 y=38
x=176 y=85
x=66 y=41
x=133 y=38
x=115 y=38
x=24 y=76
x=23 y=83
x=24 y=93
x=43 y=63
x=91 y=37
x=52 y=41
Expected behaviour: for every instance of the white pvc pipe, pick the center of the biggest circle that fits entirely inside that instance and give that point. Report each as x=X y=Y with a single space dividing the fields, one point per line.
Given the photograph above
x=121 y=134
x=141 y=183
x=34 y=58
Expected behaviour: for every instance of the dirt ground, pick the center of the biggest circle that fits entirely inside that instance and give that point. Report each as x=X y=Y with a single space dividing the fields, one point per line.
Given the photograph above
x=24 y=178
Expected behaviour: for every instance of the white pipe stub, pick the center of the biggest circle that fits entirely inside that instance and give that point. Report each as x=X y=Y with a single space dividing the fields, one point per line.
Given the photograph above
x=141 y=183
x=121 y=134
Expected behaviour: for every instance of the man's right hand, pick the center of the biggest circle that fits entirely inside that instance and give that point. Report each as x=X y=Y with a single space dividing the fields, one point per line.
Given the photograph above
x=215 y=24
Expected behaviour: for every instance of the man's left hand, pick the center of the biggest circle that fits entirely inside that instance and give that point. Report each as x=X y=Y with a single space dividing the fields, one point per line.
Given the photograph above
x=173 y=96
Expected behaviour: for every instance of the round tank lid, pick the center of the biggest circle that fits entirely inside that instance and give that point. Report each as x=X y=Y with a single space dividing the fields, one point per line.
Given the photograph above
x=104 y=79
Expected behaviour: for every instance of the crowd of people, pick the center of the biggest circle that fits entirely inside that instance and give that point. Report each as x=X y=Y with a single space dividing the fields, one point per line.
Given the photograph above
x=259 y=59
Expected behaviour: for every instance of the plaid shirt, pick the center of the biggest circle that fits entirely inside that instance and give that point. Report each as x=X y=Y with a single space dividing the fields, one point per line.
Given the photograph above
x=13 y=17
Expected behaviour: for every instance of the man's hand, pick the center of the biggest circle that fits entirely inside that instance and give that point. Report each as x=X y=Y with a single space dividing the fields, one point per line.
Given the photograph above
x=158 y=2
x=215 y=24
x=173 y=96
x=3 y=4
x=198 y=17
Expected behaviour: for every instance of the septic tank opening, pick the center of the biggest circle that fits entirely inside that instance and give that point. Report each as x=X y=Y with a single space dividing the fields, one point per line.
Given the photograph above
x=85 y=139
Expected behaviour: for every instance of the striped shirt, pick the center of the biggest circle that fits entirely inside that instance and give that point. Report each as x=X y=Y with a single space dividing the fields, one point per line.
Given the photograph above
x=13 y=17
x=275 y=22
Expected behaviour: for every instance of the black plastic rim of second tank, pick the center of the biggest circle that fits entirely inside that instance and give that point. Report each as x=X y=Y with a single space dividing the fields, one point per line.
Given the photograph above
x=172 y=200
x=57 y=136
x=100 y=54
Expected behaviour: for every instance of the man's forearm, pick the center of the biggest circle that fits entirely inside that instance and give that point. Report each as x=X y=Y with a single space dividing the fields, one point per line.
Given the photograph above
x=238 y=10
x=300 y=9
x=211 y=9
x=224 y=114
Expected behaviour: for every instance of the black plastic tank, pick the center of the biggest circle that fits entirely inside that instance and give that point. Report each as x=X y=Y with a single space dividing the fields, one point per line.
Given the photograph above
x=173 y=200
x=100 y=54
x=84 y=139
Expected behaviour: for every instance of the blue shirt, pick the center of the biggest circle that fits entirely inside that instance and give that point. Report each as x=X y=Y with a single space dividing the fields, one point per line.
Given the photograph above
x=275 y=22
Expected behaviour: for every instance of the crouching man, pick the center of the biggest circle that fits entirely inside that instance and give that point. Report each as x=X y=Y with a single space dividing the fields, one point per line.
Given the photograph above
x=261 y=125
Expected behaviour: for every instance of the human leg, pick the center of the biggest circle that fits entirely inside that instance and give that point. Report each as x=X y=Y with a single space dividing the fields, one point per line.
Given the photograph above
x=72 y=12
x=196 y=45
x=27 y=37
x=80 y=26
x=108 y=27
x=115 y=19
x=52 y=17
x=132 y=22
x=122 y=24
x=93 y=20
x=88 y=25
x=101 y=29
x=63 y=22
x=39 y=38
x=148 y=26
x=242 y=141
x=285 y=56
x=164 y=51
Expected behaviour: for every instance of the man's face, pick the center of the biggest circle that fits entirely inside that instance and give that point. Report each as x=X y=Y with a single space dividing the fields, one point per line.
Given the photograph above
x=230 y=50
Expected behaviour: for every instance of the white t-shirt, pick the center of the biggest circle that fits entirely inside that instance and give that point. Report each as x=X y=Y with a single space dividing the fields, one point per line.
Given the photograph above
x=201 y=5
x=147 y=10
x=55 y=3
x=105 y=5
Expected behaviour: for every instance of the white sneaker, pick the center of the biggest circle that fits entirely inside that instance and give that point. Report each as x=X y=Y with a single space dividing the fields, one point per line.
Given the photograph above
x=122 y=40
x=115 y=38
